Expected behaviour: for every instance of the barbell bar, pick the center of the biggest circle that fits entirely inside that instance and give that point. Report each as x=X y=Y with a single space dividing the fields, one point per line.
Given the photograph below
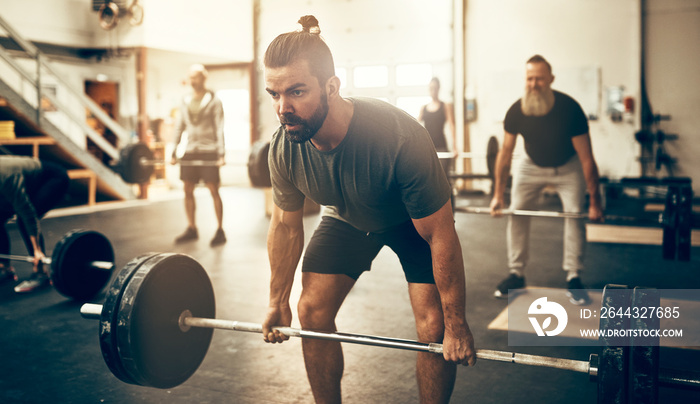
x=80 y=265
x=101 y=265
x=186 y=321
x=137 y=163
x=157 y=322
x=197 y=163
x=540 y=213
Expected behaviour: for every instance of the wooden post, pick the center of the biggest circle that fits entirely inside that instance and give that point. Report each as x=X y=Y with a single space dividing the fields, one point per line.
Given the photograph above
x=143 y=124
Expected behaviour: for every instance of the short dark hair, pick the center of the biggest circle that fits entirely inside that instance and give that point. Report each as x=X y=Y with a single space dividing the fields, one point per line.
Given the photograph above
x=306 y=44
x=540 y=59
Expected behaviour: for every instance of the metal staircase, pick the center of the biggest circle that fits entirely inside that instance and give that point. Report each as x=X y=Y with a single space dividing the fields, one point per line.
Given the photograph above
x=23 y=99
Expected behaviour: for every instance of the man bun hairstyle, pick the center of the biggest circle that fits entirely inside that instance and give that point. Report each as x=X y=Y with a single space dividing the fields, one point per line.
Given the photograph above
x=309 y=24
x=306 y=44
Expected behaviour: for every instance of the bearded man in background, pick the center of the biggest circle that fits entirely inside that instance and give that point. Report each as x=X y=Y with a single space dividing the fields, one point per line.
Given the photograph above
x=558 y=155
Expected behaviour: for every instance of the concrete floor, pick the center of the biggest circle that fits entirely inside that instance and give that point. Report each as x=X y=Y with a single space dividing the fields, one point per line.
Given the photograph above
x=48 y=353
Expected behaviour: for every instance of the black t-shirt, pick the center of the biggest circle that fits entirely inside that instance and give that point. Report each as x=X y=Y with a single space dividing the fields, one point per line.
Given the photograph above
x=435 y=124
x=548 y=138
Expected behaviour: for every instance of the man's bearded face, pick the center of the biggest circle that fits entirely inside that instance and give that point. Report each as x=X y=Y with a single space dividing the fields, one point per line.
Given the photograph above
x=304 y=129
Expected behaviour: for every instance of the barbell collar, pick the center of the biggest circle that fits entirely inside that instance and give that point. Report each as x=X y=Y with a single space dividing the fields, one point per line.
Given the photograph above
x=535 y=360
x=102 y=265
x=91 y=311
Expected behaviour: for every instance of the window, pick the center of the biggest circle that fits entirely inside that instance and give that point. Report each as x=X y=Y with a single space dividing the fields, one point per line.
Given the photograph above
x=371 y=76
x=414 y=74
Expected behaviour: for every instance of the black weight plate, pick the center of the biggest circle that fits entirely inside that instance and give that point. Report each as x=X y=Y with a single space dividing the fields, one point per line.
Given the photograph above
x=669 y=243
x=153 y=349
x=71 y=272
x=108 y=318
x=613 y=360
x=644 y=355
x=685 y=222
x=131 y=168
x=258 y=166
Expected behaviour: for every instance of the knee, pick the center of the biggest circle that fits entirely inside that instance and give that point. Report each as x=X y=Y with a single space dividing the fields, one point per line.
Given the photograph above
x=431 y=326
x=312 y=316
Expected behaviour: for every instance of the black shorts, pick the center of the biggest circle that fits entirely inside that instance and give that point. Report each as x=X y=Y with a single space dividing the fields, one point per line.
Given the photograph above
x=338 y=248
x=208 y=174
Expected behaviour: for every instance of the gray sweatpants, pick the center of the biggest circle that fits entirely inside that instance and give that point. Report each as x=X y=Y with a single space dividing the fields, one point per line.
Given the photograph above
x=528 y=181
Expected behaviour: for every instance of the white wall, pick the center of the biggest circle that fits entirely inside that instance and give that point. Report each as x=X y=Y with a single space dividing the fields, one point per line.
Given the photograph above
x=578 y=37
x=210 y=28
x=219 y=30
x=65 y=22
x=673 y=78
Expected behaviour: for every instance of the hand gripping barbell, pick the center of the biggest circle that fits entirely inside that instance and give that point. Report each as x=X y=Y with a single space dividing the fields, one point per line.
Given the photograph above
x=157 y=322
x=81 y=263
x=137 y=163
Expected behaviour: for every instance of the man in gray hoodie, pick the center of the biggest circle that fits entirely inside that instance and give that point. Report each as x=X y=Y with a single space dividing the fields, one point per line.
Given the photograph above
x=202 y=118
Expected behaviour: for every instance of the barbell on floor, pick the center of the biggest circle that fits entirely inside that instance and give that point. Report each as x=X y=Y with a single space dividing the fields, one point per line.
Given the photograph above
x=676 y=227
x=137 y=163
x=539 y=213
x=81 y=263
x=157 y=322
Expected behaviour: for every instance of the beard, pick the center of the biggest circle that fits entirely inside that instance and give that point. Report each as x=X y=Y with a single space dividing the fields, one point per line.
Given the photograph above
x=309 y=127
x=535 y=103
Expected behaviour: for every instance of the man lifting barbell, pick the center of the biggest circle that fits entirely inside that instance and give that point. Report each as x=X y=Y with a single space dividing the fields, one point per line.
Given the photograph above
x=28 y=189
x=376 y=172
x=202 y=117
x=558 y=153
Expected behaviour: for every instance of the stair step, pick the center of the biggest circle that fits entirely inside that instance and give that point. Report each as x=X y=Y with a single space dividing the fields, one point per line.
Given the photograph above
x=34 y=141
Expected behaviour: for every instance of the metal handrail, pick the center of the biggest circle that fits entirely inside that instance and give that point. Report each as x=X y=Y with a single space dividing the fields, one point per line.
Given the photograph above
x=86 y=101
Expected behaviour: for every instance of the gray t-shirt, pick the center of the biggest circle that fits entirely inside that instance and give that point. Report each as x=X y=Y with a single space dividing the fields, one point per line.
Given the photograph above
x=383 y=173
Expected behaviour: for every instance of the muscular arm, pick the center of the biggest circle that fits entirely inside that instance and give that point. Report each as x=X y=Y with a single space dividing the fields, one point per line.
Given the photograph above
x=285 y=242
x=502 y=172
x=438 y=230
x=582 y=144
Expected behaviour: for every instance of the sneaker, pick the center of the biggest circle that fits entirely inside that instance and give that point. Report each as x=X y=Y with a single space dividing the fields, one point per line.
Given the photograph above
x=513 y=281
x=219 y=238
x=576 y=292
x=7 y=274
x=189 y=235
x=36 y=281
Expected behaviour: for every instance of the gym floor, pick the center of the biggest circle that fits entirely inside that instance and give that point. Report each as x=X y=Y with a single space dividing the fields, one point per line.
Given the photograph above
x=48 y=353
